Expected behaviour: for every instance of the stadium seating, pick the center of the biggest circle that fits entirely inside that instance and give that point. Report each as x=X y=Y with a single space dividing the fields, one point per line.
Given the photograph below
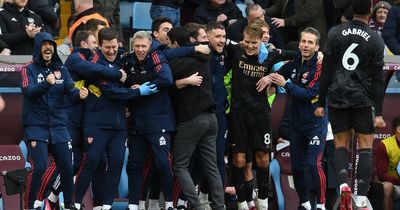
x=11 y=159
x=242 y=8
x=141 y=19
x=126 y=12
x=280 y=168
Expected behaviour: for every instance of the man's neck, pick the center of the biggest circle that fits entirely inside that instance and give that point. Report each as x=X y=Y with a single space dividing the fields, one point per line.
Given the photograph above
x=361 y=18
x=303 y=59
x=85 y=7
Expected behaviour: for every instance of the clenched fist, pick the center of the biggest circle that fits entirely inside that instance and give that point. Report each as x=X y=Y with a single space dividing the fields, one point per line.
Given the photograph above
x=83 y=93
x=51 y=79
x=123 y=76
x=202 y=48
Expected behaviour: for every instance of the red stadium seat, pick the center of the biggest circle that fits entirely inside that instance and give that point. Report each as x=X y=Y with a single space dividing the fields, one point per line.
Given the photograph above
x=11 y=159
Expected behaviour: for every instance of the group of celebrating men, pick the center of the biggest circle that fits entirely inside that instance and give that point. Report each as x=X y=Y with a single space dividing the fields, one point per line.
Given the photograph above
x=167 y=102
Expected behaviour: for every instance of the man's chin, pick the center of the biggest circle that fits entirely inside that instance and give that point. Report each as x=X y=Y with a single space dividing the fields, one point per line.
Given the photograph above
x=111 y=59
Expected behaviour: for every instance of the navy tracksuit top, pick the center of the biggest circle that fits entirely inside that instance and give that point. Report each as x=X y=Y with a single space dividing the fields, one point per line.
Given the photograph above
x=81 y=68
x=304 y=90
x=44 y=116
x=218 y=70
x=107 y=110
x=154 y=113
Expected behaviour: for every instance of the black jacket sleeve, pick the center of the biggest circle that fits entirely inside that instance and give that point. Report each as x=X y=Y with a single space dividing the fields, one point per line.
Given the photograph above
x=378 y=83
x=3 y=45
x=44 y=10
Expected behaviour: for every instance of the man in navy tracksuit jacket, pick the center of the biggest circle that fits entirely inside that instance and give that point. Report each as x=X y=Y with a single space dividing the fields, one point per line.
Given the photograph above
x=44 y=82
x=307 y=132
x=152 y=118
x=104 y=123
x=80 y=67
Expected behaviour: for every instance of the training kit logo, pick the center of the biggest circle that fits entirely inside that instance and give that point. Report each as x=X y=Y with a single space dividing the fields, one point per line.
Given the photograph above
x=40 y=78
x=163 y=141
x=57 y=74
x=315 y=141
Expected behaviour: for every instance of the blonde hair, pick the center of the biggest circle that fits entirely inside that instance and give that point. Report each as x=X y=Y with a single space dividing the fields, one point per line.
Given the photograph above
x=253 y=31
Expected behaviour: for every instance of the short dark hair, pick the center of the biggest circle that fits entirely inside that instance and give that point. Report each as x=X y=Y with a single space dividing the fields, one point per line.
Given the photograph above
x=82 y=36
x=155 y=25
x=396 y=122
x=92 y=24
x=194 y=28
x=214 y=25
x=107 y=34
x=312 y=30
x=179 y=34
x=361 y=7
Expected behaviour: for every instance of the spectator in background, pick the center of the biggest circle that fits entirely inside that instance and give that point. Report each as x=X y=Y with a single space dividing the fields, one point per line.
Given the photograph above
x=85 y=11
x=223 y=11
x=391 y=32
x=253 y=12
x=18 y=27
x=374 y=2
x=166 y=8
x=187 y=10
x=4 y=48
x=294 y=15
x=46 y=10
x=379 y=16
x=334 y=10
x=64 y=48
x=110 y=10
x=387 y=160
x=263 y=3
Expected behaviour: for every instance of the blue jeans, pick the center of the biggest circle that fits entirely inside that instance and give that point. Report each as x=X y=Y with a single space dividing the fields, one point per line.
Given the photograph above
x=164 y=11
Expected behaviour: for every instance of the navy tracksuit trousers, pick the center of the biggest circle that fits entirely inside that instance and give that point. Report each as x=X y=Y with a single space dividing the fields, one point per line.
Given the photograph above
x=306 y=152
x=140 y=146
x=37 y=157
x=98 y=142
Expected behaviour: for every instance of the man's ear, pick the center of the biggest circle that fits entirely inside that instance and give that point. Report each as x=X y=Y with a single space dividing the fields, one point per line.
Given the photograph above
x=83 y=43
x=192 y=40
x=398 y=129
x=175 y=44
x=155 y=34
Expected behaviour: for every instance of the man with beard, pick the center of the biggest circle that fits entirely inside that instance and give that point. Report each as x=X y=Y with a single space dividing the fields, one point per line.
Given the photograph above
x=44 y=82
x=194 y=107
x=80 y=67
x=104 y=123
